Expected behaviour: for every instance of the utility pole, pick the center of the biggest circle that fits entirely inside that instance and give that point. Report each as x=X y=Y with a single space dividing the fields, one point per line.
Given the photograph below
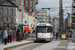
x=60 y=16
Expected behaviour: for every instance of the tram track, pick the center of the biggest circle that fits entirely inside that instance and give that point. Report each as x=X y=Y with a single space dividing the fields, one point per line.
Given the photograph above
x=28 y=46
x=10 y=48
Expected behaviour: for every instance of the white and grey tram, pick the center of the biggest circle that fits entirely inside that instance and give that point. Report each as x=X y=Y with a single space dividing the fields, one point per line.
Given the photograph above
x=44 y=31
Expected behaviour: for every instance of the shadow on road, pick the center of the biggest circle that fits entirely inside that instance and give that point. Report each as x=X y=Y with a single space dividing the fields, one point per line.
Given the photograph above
x=42 y=41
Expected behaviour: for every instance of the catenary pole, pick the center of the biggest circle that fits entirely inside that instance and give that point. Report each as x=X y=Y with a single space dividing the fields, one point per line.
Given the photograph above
x=60 y=16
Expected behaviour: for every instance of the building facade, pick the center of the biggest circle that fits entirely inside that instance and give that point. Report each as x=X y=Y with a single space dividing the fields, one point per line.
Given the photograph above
x=47 y=19
x=41 y=16
x=73 y=12
x=8 y=13
x=29 y=5
x=28 y=20
x=55 y=24
x=68 y=22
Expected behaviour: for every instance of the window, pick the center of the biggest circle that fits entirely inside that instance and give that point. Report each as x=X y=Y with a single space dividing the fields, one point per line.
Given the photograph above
x=1 y=19
x=2 y=11
x=37 y=12
x=73 y=6
x=31 y=3
x=31 y=10
x=34 y=4
x=37 y=15
x=44 y=29
x=73 y=13
x=6 y=11
x=11 y=20
x=11 y=11
x=73 y=19
x=26 y=3
x=6 y=19
x=34 y=10
x=50 y=29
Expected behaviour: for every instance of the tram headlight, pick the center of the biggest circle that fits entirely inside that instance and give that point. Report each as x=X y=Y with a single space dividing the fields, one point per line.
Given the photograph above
x=44 y=36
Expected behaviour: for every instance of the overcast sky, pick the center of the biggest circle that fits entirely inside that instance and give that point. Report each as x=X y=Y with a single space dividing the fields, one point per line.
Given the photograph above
x=54 y=4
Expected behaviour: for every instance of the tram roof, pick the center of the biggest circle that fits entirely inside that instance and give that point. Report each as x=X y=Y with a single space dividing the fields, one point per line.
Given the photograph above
x=44 y=24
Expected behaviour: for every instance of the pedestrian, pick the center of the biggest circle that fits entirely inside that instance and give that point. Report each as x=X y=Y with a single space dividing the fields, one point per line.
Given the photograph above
x=18 y=35
x=5 y=36
x=56 y=35
x=9 y=35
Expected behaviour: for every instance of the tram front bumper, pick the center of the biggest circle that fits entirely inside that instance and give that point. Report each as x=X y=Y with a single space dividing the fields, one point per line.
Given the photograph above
x=46 y=39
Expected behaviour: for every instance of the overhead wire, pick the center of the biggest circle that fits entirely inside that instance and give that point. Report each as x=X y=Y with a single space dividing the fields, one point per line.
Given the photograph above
x=54 y=7
x=42 y=3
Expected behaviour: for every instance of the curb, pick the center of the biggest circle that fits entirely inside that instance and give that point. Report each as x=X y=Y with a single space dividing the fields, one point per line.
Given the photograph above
x=18 y=45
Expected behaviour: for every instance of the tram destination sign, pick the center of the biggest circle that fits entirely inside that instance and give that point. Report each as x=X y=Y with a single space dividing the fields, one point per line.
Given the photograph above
x=42 y=24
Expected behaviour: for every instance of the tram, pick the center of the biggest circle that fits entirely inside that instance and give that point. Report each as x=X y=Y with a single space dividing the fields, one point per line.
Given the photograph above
x=44 y=31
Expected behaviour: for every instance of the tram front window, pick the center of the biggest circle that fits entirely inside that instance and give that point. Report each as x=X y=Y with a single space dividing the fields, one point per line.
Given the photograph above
x=44 y=29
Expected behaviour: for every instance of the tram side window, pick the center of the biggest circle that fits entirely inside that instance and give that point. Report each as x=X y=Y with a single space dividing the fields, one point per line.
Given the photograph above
x=50 y=29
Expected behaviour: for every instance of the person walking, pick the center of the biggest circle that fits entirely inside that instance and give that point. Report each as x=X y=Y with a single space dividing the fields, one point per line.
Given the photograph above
x=5 y=36
x=9 y=35
x=18 y=36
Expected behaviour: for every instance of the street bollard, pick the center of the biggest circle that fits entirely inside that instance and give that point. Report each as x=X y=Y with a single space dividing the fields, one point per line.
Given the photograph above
x=23 y=36
x=26 y=35
x=12 y=37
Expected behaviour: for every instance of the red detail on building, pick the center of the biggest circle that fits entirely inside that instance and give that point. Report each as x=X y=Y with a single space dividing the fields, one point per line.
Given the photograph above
x=28 y=5
x=31 y=25
x=27 y=29
x=32 y=28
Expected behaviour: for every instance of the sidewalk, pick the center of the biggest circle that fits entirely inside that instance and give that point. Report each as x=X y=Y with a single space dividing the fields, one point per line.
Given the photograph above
x=71 y=46
x=2 y=46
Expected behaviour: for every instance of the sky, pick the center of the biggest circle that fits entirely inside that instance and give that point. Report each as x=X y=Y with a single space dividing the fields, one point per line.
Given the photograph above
x=54 y=5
